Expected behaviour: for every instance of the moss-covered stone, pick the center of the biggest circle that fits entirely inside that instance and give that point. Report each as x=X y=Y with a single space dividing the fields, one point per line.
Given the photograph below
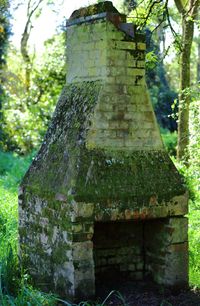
x=56 y=166
x=131 y=177
x=67 y=170
x=94 y=9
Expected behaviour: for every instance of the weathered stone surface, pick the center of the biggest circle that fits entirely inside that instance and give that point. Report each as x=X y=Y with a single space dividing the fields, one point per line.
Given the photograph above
x=102 y=160
x=167 y=250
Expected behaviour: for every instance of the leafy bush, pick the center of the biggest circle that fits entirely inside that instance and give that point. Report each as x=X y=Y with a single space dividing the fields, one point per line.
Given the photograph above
x=12 y=168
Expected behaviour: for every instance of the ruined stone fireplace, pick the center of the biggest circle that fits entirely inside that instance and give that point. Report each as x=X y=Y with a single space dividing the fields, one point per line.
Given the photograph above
x=136 y=250
x=102 y=198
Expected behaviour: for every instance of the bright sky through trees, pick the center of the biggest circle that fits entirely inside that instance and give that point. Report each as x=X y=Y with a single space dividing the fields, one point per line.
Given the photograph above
x=48 y=23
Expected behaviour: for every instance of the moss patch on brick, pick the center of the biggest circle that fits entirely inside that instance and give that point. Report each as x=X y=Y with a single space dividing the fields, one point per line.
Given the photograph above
x=132 y=177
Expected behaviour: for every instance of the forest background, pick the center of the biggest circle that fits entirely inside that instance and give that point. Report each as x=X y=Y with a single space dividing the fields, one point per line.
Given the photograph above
x=31 y=79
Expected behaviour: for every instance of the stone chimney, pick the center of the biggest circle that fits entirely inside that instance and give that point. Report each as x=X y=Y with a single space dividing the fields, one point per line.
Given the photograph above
x=102 y=197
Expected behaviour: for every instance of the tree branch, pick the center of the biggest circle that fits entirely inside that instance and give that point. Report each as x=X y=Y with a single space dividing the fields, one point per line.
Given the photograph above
x=180 y=6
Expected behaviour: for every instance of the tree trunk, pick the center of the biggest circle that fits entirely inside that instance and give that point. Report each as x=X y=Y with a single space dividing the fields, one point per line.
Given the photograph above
x=26 y=58
x=198 y=60
x=32 y=7
x=184 y=98
x=188 y=17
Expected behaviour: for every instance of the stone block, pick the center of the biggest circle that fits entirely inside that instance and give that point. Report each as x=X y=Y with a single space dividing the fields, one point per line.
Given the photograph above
x=130 y=62
x=178 y=228
x=83 y=274
x=102 y=125
x=176 y=273
x=99 y=27
x=84 y=210
x=89 y=228
x=64 y=277
x=115 y=35
x=141 y=46
x=100 y=45
x=77 y=227
x=139 y=72
x=117 y=54
x=84 y=288
x=140 y=64
x=117 y=71
x=125 y=45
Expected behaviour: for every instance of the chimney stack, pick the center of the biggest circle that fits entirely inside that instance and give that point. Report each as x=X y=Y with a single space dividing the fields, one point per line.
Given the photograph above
x=102 y=196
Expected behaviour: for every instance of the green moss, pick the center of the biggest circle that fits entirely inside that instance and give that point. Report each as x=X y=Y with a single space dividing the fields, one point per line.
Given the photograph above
x=65 y=168
x=55 y=166
x=94 y=9
x=127 y=178
x=59 y=253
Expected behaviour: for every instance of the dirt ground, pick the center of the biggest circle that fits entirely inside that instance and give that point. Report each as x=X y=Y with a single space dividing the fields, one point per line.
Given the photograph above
x=132 y=293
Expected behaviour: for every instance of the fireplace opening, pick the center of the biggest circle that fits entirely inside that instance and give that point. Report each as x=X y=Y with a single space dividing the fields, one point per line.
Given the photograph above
x=129 y=251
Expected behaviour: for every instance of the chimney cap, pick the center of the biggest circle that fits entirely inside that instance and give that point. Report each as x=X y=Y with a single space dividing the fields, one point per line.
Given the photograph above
x=94 y=9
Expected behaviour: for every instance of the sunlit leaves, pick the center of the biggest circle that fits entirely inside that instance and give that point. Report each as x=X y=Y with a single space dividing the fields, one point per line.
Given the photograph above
x=27 y=114
x=151 y=60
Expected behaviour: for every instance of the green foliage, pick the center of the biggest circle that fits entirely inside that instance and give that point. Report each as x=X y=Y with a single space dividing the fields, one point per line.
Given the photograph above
x=27 y=114
x=151 y=60
x=194 y=144
x=193 y=177
x=162 y=96
x=194 y=238
x=4 y=36
x=4 y=29
x=8 y=239
x=28 y=296
x=12 y=168
x=170 y=141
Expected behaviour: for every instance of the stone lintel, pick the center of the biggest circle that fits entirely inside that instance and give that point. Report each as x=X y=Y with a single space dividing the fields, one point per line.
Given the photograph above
x=115 y=18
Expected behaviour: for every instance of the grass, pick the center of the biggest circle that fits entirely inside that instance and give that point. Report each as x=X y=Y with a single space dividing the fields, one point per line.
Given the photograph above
x=194 y=246
x=14 y=287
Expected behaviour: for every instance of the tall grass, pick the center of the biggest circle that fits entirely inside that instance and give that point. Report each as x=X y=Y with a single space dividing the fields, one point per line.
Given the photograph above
x=14 y=289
